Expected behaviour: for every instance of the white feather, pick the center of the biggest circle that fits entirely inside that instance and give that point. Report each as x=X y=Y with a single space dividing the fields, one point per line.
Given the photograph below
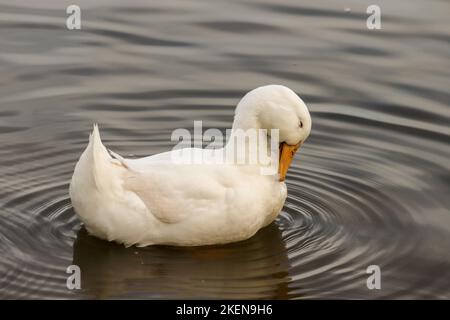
x=155 y=200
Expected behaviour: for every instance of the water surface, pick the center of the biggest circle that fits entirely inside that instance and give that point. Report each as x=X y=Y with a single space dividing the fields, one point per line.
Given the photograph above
x=370 y=186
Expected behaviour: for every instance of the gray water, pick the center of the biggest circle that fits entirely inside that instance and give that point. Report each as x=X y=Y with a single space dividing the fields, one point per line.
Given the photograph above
x=370 y=187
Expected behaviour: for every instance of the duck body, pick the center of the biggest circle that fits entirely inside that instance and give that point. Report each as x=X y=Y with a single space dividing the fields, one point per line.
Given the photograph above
x=157 y=200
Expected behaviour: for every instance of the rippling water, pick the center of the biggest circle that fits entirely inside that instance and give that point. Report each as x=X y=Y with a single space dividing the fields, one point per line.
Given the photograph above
x=370 y=186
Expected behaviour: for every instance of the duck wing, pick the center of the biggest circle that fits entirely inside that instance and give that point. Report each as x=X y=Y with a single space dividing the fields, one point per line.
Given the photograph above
x=175 y=192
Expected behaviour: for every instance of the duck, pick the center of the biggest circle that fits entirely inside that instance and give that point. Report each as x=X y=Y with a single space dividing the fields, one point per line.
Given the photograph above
x=168 y=199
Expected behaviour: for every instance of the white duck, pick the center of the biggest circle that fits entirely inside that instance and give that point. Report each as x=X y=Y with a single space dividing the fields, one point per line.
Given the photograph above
x=157 y=200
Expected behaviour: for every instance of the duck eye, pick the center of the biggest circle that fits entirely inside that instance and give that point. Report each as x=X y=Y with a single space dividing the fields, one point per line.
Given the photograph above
x=301 y=124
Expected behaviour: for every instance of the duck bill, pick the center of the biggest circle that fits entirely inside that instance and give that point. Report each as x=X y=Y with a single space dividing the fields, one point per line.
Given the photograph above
x=287 y=153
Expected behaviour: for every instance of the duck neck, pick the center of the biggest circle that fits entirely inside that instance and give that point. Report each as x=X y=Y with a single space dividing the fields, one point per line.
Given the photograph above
x=250 y=144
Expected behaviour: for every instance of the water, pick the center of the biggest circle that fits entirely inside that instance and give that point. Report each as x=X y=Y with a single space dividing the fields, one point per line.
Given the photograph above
x=370 y=186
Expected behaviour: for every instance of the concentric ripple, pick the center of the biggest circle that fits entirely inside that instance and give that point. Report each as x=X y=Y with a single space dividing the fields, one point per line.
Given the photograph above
x=370 y=186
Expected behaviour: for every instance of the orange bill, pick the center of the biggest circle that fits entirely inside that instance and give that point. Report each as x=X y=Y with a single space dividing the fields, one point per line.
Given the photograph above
x=287 y=153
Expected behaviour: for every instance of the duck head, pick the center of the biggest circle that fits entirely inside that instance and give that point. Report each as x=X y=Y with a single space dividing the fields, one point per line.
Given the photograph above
x=276 y=107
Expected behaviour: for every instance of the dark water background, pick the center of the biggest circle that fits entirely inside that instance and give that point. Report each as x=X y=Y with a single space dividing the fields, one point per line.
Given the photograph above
x=371 y=186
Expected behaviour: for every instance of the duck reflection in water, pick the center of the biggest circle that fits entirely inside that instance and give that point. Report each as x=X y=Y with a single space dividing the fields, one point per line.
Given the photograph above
x=251 y=269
